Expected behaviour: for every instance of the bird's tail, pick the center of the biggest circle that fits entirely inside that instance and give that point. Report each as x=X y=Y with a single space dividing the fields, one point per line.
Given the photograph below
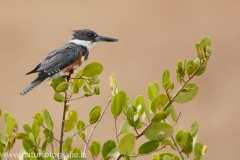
x=30 y=87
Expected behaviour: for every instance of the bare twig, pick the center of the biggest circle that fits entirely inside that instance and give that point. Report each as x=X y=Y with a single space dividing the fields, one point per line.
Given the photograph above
x=79 y=97
x=76 y=98
x=90 y=134
x=51 y=135
x=115 y=124
x=86 y=143
x=139 y=155
x=175 y=143
x=63 y=119
x=177 y=119
x=80 y=130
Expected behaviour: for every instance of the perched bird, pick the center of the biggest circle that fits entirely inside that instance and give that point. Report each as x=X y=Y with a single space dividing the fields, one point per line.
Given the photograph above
x=68 y=57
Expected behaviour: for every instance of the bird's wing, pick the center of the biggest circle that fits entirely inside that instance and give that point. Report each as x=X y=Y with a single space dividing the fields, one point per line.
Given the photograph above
x=58 y=60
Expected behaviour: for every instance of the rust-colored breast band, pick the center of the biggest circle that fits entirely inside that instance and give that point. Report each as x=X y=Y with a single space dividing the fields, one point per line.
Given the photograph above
x=74 y=65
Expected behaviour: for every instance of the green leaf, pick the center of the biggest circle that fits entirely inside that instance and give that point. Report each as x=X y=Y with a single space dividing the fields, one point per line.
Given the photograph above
x=201 y=70
x=0 y=112
x=185 y=140
x=194 y=129
x=125 y=128
x=67 y=144
x=76 y=152
x=96 y=90
x=95 y=107
x=159 y=117
x=44 y=145
x=152 y=132
x=96 y=79
x=198 y=147
x=139 y=102
x=188 y=93
x=35 y=129
x=107 y=147
x=130 y=115
x=59 y=97
x=27 y=145
x=189 y=70
x=146 y=106
x=27 y=128
x=70 y=121
x=75 y=87
x=62 y=87
x=31 y=137
x=159 y=102
x=1 y=151
x=169 y=86
x=39 y=118
x=54 y=83
x=2 y=138
x=127 y=144
x=48 y=134
x=9 y=125
x=118 y=103
x=173 y=156
x=114 y=153
x=80 y=126
x=206 y=41
x=92 y=69
x=166 y=142
x=174 y=114
x=155 y=83
x=152 y=91
x=165 y=76
x=199 y=51
x=95 y=148
x=148 y=147
x=94 y=116
x=5 y=116
x=48 y=119
x=168 y=111
x=123 y=97
x=38 y=139
x=113 y=83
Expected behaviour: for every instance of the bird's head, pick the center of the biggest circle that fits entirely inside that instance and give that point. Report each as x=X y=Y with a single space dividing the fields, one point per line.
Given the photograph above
x=88 y=38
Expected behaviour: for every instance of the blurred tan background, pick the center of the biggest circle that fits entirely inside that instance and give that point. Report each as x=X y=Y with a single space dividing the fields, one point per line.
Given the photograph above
x=154 y=36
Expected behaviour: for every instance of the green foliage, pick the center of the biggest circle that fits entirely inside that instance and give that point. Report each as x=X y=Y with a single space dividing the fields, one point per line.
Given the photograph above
x=71 y=120
x=119 y=102
x=107 y=147
x=81 y=127
x=145 y=117
x=48 y=119
x=95 y=148
x=152 y=91
x=92 y=69
x=188 y=93
x=153 y=131
x=127 y=144
x=148 y=147
x=59 y=97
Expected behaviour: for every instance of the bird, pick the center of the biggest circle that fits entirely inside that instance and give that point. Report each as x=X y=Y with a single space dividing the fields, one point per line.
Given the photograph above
x=65 y=59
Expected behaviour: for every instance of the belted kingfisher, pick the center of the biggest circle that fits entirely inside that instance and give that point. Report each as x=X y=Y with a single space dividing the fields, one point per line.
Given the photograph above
x=64 y=60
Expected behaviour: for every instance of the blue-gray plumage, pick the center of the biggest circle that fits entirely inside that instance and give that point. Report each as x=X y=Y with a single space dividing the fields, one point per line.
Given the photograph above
x=66 y=58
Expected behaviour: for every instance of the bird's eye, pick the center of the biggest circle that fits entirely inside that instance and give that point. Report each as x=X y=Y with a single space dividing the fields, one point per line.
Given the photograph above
x=90 y=35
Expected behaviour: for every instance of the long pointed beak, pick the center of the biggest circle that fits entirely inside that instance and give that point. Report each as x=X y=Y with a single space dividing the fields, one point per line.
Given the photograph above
x=105 y=39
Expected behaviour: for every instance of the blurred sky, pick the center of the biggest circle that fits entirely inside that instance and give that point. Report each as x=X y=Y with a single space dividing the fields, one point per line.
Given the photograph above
x=154 y=36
